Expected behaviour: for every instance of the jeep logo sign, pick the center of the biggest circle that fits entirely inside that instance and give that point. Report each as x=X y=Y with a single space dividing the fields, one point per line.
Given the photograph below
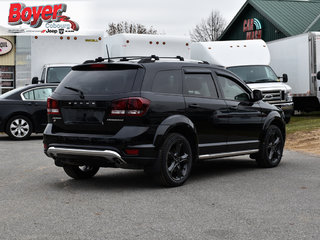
x=5 y=46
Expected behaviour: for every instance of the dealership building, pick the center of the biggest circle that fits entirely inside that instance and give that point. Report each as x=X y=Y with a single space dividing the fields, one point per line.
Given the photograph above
x=273 y=19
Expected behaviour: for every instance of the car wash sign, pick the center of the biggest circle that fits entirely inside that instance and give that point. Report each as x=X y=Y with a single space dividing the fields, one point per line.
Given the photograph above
x=253 y=28
x=5 y=46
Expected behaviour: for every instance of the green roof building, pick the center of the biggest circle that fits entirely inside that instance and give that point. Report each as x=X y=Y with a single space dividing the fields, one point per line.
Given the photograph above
x=273 y=19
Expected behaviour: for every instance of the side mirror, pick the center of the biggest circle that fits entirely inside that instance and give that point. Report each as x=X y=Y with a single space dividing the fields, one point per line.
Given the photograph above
x=284 y=78
x=318 y=75
x=35 y=80
x=257 y=95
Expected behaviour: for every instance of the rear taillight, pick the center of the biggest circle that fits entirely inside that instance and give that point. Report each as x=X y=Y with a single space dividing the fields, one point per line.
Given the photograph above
x=134 y=106
x=52 y=106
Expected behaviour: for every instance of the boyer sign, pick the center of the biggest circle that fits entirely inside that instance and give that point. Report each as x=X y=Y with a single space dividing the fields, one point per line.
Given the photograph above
x=34 y=16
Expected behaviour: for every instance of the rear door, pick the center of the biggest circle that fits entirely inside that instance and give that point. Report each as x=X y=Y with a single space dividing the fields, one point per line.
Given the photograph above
x=205 y=109
x=245 y=116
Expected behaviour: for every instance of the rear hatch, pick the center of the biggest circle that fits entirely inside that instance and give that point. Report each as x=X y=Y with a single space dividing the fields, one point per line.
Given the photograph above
x=93 y=99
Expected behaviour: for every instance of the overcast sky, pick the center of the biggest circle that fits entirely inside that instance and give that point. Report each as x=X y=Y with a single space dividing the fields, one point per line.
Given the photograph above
x=174 y=17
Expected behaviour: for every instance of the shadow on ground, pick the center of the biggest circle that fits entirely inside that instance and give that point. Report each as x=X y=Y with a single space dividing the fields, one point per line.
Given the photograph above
x=137 y=179
x=4 y=137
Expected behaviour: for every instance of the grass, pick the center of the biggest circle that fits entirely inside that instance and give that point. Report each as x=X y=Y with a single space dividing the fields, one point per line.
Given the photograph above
x=304 y=122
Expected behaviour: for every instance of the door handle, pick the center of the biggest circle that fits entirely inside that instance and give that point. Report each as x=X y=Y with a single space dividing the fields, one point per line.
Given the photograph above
x=194 y=105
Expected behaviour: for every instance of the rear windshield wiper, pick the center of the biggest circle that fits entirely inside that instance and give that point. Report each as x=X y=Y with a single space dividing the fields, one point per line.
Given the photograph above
x=76 y=90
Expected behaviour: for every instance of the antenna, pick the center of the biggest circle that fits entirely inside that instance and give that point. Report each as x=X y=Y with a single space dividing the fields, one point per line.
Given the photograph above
x=109 y=59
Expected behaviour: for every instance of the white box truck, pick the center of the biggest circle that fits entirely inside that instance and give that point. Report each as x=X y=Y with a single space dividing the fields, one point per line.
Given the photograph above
x=249 y=60
x=53 y=56
x=128 y=45
x=299 y=57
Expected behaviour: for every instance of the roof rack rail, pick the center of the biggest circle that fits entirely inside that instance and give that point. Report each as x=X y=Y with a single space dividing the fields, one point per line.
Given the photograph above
x=204 y=62
x=142 y=59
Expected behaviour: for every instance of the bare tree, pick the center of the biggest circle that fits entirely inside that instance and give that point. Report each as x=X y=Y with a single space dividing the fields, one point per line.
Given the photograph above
x=209 y=29
x=126 y=27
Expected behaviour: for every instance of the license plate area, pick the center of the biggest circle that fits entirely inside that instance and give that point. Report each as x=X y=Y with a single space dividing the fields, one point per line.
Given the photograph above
x=85 y=116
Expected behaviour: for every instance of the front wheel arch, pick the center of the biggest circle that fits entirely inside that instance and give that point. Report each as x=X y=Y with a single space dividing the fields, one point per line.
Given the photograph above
x=185 y=128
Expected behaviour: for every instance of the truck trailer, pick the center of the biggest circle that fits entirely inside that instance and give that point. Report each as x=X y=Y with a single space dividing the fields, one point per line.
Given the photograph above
x=249 y=60
x=125 y=45
x=299 y=57
x=53 y=56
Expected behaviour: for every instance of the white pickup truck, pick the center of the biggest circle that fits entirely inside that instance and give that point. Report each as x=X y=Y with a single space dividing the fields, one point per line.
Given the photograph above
x=53 y=73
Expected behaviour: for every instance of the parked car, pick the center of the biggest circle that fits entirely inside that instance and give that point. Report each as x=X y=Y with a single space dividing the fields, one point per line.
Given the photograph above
x=23 y=110
x=161 y=116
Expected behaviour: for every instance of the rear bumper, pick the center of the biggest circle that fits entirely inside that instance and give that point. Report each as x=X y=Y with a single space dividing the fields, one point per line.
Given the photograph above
x=109 y=155
x=98 y=150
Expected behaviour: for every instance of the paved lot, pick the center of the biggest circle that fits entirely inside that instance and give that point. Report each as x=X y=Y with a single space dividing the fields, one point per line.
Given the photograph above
x=231 y=199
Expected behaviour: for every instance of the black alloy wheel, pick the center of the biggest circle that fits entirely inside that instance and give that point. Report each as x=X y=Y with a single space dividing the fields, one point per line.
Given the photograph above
x=272 y=148
x=175 y=161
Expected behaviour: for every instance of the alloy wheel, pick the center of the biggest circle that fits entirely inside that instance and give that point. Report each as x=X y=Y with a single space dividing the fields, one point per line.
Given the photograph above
x=19 y=128
x=178 y=161
x=274 y=147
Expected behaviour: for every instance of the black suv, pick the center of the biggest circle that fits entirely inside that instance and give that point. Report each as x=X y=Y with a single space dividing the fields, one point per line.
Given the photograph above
x=161 y=116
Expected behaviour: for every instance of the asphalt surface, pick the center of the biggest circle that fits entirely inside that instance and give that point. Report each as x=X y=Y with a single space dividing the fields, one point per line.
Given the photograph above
x=224 y=199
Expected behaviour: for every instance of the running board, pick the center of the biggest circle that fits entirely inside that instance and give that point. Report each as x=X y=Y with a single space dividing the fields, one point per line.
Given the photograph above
x=230 y=154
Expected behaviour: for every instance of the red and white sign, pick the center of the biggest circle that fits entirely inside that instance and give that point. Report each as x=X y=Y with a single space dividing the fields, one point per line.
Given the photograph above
x=35 y=16
x=5 y=46
x=252 y=28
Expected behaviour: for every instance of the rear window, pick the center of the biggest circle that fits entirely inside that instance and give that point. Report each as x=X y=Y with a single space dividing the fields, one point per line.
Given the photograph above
x=98 y=82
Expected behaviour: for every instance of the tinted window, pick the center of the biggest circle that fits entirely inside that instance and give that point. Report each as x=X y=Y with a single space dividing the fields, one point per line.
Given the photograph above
x=99 y=82
x=56 y=74
x=39 y=94
x=200 y=85
x=231 y=90
x=167 y=82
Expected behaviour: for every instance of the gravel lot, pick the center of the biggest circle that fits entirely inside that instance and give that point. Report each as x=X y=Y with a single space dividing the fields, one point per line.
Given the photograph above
x=223 y=199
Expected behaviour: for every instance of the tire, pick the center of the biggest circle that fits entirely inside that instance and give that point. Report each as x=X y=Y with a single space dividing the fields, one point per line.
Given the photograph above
x=271 y=149
x=80 y=172
x=19 y=127
x=174 y=161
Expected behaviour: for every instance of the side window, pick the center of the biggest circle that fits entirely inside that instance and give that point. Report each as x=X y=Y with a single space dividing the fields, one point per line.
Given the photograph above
x=40 y=94
x=29 y=95
x=167 y=82
x=232 y=90
x=199 y=85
